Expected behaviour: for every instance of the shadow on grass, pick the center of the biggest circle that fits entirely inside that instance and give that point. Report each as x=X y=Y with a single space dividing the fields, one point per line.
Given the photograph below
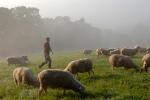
x=108 y=93
x=93 y=78
x=113 y=76
x=132 y=97
x=76 y=96
x=105 y=94
x=105 y=77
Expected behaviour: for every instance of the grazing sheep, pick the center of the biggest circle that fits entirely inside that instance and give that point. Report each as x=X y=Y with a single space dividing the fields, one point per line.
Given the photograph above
x=17 y=60
x=98 y=52
x=146 y=62
x=25 y=58
x=80 y=66
x=55 y=78
x=117 y=60
x=148 y=50
x=105 y=52
x=25 y=76
x=111 y=49
x=142 y=50
x=87 y=52
x=129 y=52
x=116 y=51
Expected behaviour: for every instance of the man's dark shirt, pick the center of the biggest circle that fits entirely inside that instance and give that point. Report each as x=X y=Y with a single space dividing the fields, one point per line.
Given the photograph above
x=47 y=48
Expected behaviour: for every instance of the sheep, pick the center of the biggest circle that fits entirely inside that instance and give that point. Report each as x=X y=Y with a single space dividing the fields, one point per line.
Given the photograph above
x=147 y=50
x=140 y=49
x=129 y=52
x=23 y=75
x=87 y=52
x=146 y=62
x=111 y=49
x=56 y=78
x=116 y=51
x=80 y=66
x=118 y=60
x=98 y=52
x=25 y=58
x=105 y=52
x=17 y=60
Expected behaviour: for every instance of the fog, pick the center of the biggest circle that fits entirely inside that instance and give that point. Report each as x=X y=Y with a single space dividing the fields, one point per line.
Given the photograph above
x=72 y=24
x=100 y=13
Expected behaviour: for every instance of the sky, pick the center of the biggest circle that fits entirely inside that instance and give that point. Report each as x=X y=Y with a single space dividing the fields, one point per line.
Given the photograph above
x=111 y=14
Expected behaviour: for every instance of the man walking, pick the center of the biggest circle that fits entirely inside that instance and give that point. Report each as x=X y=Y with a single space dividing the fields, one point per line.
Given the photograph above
x=47 y=51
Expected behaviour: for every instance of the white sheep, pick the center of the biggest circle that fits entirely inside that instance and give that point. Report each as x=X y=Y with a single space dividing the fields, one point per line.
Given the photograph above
x=55 y=78
x=17 y=60
x=80 y=66
x=23 y=75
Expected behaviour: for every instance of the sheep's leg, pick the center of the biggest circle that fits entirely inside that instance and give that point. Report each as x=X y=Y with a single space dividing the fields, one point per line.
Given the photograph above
x=92 y=72
x=16 y=82
x=23 y=79
x=146 y=69
x=45 y=89
x=89 y=74
x=64 y=92
x=112 y=68
x=141 y=70
x=40 y=90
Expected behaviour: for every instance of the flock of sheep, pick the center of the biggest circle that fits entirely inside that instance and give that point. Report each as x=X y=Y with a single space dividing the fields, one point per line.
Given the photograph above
x=65 y=79
x=54 y=78
x=122 y=57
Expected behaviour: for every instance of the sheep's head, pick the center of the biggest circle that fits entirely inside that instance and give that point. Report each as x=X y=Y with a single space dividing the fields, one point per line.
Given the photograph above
x=78 y=87
x=25 y=58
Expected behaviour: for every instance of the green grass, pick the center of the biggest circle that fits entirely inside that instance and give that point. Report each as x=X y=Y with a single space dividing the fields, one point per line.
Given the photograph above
x=106 y=84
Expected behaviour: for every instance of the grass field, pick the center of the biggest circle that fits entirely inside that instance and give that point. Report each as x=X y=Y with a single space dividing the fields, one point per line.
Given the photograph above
x=106 y=84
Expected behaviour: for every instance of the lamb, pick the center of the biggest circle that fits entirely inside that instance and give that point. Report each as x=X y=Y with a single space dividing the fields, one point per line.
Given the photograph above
x=80 y=66
x=87 y=52
x=118 y=60
x=146 y=62
x=17 y=60
x=23 y=75
x=55 y=78
x=129 y=52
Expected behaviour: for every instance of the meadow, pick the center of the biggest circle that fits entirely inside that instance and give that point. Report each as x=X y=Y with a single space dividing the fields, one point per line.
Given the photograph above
x=105 y=84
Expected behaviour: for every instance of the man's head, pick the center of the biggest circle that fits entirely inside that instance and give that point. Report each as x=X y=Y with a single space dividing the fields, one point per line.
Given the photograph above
x=47 y=39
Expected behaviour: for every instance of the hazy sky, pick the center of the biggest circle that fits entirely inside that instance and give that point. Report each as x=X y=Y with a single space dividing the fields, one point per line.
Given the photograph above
x=101 y=13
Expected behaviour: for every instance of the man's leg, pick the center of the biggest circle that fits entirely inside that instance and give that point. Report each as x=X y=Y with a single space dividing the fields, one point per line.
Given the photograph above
x=43 y=63
x=49 y=62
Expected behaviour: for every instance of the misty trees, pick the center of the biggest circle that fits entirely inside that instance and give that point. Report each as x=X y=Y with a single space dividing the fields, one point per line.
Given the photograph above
x=22 y=30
